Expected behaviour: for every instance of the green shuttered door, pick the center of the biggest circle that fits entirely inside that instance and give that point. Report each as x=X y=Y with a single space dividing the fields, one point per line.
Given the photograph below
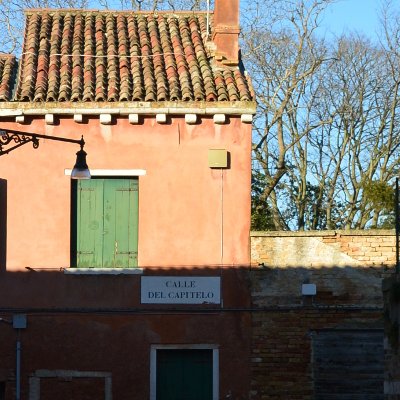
x=184 y=375
x=107 y=221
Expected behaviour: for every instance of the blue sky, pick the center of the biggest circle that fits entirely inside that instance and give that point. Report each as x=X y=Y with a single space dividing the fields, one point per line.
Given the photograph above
x=353 y=15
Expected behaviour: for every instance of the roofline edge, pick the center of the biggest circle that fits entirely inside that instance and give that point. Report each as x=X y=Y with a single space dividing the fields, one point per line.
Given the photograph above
x=12 y=109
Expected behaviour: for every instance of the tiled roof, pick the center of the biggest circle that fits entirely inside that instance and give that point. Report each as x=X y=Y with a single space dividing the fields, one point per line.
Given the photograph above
x=103 y=56
x=7 y=64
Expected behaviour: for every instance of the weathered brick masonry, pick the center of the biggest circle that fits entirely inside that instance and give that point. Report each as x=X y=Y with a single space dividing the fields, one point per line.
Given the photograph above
x=325 y=346
x=324 y=248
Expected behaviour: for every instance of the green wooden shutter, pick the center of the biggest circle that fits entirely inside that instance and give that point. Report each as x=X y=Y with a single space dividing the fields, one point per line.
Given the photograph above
x=120 y=223
x=107 y=213
x=90 y=223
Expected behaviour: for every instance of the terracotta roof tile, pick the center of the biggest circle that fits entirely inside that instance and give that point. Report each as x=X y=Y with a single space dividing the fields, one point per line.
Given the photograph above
x=77 y=55
x=7 y=69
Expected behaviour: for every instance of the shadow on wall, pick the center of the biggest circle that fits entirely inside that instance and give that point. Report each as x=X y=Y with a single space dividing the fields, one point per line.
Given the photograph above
x=3 y=224
x=273 y=340
x=90 y=323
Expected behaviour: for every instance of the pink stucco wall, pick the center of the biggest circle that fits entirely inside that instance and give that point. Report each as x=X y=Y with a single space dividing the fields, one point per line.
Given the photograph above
x=189 y=214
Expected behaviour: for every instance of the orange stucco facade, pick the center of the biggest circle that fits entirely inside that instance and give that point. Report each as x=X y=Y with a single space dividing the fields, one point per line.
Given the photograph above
x=74 y=330
x=93 y=336
x=189 y=214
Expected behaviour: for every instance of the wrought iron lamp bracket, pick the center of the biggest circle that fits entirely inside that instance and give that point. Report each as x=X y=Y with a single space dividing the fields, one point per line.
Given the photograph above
x=7 y=137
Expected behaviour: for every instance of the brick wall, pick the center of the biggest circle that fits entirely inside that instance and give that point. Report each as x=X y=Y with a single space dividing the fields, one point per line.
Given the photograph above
x=282 y=360
x=347 y=269
x=324 y=248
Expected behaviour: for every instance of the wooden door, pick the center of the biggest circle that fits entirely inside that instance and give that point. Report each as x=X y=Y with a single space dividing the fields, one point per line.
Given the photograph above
x=184 y=374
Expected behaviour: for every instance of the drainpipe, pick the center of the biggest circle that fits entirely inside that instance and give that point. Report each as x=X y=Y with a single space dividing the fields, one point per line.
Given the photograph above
x=19 y=322
x=18 y=368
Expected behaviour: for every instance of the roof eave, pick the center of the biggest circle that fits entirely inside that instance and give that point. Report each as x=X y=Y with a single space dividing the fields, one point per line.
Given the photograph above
x=13 y=109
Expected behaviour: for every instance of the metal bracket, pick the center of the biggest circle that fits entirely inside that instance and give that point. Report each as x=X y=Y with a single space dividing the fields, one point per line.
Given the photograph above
x=8 y=136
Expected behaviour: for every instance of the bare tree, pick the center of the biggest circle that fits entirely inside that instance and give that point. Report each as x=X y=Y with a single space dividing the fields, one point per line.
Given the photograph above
x=326 y=139
x=283 y=56
x=359 y=150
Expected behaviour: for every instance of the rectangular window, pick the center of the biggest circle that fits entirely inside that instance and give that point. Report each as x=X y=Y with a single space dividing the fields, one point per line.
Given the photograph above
x=46 y=384
x=105 y=221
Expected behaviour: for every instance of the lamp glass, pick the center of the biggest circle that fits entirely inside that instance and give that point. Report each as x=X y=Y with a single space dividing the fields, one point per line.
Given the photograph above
x=80 y=174
x=80 y=170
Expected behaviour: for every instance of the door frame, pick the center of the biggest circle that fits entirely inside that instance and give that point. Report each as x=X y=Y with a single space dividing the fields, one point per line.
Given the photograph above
x=38 y=375
x=153 y=364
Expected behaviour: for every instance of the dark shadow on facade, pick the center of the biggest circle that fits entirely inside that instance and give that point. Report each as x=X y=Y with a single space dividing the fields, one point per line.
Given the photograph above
x=95 y=324
x=267 y=337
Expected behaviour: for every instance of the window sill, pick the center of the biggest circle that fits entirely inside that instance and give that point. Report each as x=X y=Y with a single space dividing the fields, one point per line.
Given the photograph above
x=103 y=271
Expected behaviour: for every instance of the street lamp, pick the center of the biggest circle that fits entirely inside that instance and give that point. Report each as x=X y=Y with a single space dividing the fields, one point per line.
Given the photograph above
x=80 y=170
x=9 y=136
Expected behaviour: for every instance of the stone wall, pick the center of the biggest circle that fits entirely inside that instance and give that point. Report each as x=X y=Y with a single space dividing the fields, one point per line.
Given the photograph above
x=347 y=270
x=324 y=248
